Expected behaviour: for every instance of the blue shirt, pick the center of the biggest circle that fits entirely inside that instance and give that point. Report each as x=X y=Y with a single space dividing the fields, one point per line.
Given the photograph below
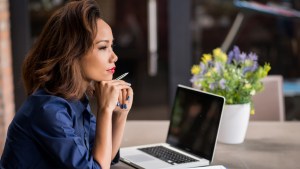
x=49 y=132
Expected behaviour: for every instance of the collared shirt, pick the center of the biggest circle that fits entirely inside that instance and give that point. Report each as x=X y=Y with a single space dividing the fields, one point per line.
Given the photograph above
x=49 y=132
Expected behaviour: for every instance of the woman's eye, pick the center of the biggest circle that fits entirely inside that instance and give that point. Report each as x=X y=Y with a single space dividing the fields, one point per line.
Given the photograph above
x=102 y=47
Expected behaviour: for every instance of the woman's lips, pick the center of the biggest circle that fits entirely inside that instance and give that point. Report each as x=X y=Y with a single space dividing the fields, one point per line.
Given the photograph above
x=112 y=70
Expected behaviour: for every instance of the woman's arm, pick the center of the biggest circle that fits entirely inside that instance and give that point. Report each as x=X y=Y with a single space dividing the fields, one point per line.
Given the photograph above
x=103 y=139
x=119 y=119
x=118 y=125
x=110 y=119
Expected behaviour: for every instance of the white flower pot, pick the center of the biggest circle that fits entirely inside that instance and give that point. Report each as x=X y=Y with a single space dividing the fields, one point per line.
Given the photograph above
x=234 y=123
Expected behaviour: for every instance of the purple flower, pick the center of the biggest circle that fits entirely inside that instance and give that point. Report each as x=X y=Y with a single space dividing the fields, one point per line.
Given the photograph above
x=193 y=79
x=250 y=68
x=203 y=68
x=252 y=56
x=242 y=57
x=212 y=86
x=236 y=52
x=210 y=63
x=219 y=67
x=222 y=83
x=254 y=67
x=247 y=69
x=230 y=57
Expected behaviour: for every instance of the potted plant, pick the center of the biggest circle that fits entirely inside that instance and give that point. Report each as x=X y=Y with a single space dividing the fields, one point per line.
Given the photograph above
x=236 y=76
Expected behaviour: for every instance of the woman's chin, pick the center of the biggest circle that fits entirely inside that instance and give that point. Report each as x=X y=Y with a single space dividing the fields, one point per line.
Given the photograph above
x=108 y=78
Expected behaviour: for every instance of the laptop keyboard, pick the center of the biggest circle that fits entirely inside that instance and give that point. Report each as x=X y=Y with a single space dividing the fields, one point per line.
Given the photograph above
x=167 y=155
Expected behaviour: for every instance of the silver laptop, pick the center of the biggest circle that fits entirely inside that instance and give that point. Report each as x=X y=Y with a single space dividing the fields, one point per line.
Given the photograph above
x=192 y=134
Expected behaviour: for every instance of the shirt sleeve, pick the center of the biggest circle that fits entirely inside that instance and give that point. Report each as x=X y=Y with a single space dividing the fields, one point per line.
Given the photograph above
x=54 y=132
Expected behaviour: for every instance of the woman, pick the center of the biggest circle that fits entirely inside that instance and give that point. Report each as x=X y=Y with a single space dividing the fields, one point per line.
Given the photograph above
x=55 y=128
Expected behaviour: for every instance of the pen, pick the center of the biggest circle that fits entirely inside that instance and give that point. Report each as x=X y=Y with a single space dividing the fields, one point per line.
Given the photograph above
x=122 y=76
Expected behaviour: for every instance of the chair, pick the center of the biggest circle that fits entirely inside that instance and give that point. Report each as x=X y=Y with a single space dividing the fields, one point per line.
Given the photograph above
x=269 y=103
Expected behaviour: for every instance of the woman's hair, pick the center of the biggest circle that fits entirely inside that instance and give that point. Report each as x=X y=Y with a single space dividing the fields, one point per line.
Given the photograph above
x=53 y=62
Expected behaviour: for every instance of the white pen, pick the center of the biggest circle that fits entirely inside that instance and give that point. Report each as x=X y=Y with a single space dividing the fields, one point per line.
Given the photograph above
x=122 y=76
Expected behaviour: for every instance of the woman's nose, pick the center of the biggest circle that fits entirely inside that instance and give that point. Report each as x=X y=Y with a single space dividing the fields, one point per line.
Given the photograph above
x=114 y=57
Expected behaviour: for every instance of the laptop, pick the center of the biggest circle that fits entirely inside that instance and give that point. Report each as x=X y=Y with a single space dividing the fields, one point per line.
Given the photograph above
x=192 y=134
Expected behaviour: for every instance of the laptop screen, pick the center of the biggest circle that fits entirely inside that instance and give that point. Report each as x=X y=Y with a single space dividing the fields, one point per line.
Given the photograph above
x=195 y=121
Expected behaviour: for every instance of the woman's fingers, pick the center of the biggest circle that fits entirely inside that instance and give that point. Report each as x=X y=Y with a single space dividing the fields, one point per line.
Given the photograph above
x=120 y=101
x=124 y=95
x=129 y=98
x=129 y=95
x=120 y=82
x=121 y=86
x=109 y=93
x=123 y=99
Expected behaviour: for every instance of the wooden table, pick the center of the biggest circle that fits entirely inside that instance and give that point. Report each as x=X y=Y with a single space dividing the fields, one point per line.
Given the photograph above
x=268 y=145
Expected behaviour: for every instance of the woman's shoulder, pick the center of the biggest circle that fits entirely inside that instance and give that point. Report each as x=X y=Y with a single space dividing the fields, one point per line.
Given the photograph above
x=42 y=98
x=42 y=103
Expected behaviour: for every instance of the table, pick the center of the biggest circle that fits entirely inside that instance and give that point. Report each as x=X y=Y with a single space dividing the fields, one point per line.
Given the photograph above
x=268 y=145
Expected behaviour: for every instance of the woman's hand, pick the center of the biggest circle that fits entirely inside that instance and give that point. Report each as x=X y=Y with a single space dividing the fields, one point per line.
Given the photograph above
x=114 y=96
x=124 y=103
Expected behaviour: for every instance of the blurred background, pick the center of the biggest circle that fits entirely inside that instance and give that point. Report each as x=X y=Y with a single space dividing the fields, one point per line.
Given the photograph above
x=157 y=42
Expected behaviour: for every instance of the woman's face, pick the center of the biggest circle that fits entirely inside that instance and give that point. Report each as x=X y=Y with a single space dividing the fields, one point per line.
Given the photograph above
x=99 y=63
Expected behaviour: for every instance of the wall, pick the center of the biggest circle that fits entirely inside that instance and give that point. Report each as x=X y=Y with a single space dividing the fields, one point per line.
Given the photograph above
x=6 y=78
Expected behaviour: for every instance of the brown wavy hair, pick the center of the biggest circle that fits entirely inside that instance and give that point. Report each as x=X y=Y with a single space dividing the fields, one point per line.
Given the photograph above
x=54 y=61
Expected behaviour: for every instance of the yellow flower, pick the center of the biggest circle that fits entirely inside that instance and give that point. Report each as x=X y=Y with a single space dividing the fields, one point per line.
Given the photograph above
x=206 y=58
x=208 y=74
x=220 y=55
x=267 y=68
x=252 y=111
x=252 y=93
x=195 y=69
x=247 y=86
